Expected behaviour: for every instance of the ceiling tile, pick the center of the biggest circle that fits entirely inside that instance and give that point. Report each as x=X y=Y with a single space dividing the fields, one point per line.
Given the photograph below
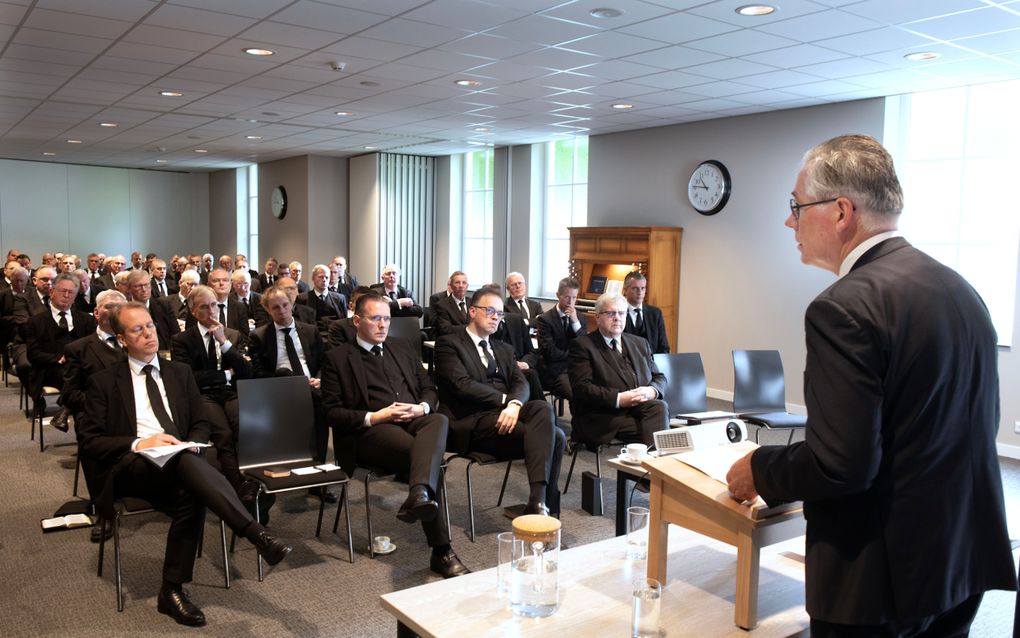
x=820 y=26
x=553 y=58
x=65 y=41
x=542 y=29
x=678 y=28
x=674 y=57
x=726 y=11
x=250 y=8
x=129 y=10
x=611 y=44
x=141 y=52
x=316 y=15
x=741 y=43
x=464 y=14
x=967 y=24
x=900 y=12
x=994 y=43
x=445 y=60
x=409 y=32
x=270 y=33
x=488 y=45
x=795 y=56
x=732 y=68
x=875 y=41
x=186 y=18
x=172 y=38
x=64 y=22
x=633 y=11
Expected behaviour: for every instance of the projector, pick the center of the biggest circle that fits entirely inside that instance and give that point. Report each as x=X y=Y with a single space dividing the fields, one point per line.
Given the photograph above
x=701 y=436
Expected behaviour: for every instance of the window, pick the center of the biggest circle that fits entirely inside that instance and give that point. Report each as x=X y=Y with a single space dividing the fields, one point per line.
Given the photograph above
x=566 y=204
x=253 y=216
x=477 y=223
x=955 y=152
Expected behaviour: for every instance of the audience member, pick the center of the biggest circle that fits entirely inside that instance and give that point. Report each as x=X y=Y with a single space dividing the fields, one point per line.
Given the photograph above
x=643 y=320
x=450 y=314
x=402 y=303
x=558 y=327
x=517 y=301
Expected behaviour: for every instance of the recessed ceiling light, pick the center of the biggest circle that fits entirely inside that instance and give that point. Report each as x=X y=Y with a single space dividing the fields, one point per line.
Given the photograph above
x=48 y=153
x=371 y=148
x=201 y=150
x=482 y=129
x=253 y=137
x=468 y=83
x=921 y=56
x=605 y=12
x=74 y=141
x=755 y=10
x=107 y=125
x=171 y=93
x=622 y=106
x=257 y=51
x=345 y=113
x=161 y=161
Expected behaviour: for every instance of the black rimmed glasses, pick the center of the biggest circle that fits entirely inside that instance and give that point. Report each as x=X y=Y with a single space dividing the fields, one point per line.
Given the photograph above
x=795 y=207
x=490 y=311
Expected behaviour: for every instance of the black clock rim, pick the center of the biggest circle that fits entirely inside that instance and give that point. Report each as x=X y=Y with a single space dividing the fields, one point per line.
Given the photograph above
x=728 y=187
x=283 y=208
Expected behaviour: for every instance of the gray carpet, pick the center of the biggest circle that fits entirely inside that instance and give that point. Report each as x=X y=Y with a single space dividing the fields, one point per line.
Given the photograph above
x=48 y=583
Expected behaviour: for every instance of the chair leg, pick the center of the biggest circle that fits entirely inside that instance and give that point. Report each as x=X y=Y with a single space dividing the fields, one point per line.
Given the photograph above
x=116 y=562
x=446 y=501
x=471 y=501
x=322 y=508
x=598 y=473
x=226 y=559
x=77 y=472
x=368 y=517
x=258 y=556
x=102 y=546
x=345 y=504
x=502 y=489
x=790 y=440
x=570 y=472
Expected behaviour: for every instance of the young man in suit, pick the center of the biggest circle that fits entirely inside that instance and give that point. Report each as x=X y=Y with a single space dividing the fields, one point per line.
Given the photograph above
x=486 y=397
x=145 y=402
x=617 y=388
x=268 y=278
x=517 y=301
x=450 y=313
x=643 y=320
x=48 y=333
x=557 y=328
x=898 y=472
x=402 y=303
x=376 y=389
x=162 y=285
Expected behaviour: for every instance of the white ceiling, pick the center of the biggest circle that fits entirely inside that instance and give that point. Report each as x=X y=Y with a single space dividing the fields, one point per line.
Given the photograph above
x=547 y=68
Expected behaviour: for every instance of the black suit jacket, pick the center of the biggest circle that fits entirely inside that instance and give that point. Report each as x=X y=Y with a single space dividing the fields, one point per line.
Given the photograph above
x=653 y=328
x=345 y=390
x=166 y=323
x=171 y=287
x=464 y=390
x=26 y=306
x=303 y=287
x=45 y=343
x=335 y=306
x=395 y=309
x=178 y=308
x=189 y=348
x=237 y=318
x=8 y=329
x=512 y=330
x=447 y=317
x=264 y=281
x=304 y=314
x=345 y=285
x=340 y=332
x=596 y=378
x=255 y=309
x=262 y=348
x=534 y=308
x=84 y=358
x=105 y=282
x=110 y=426
x=898 y=472
x=83 y=304
x=553 y=344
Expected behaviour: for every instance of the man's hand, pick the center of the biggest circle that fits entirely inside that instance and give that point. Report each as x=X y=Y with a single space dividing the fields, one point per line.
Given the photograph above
x=740 y=479
x=522 y=365
x=216 y=330
x=507 y=420
x=637 y=396
x=571 y=312
x=314 y=382
x=405 y=302
x=156 y=440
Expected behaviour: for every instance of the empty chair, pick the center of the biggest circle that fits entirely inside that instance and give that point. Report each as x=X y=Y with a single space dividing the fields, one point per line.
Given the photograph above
x=759 y=391
x=408 y=328
x=687 y=390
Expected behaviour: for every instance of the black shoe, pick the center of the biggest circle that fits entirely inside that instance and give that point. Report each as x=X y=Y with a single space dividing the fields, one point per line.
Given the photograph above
x=60 y=420
x=536 y=507
x=173 y=602
x=448 y=565
x=96 y=533
x=328 y=493
x=419 y=506
x=249 y=489
x=273 y=550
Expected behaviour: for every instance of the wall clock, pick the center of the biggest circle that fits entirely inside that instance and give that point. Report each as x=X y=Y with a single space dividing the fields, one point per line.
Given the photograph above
x=279 y=202
x=709 y=187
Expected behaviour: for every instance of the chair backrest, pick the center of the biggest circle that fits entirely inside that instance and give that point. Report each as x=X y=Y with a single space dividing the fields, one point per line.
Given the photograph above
x=276 y=423
x=685 y=374
x=758 y=384
x=407 y=328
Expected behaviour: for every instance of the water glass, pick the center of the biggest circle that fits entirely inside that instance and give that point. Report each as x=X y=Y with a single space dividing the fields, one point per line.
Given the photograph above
x=647 y=599
x=637 y=533
x=505 y=559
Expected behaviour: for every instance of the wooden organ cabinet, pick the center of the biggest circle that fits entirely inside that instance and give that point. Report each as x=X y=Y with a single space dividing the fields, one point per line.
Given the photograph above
x=600 y=257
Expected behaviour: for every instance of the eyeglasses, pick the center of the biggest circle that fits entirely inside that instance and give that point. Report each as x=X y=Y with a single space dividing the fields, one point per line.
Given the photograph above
x=795 y=207
x=377 y=318
x=491 y=312
x=614 y=313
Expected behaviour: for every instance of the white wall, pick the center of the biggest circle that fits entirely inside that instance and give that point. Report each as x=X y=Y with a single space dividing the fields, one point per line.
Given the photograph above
x=363 y=193
x=328 y=225
x=48 y=207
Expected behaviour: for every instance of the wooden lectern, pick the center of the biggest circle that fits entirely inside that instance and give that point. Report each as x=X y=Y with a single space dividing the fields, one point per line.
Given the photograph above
x=686 y=497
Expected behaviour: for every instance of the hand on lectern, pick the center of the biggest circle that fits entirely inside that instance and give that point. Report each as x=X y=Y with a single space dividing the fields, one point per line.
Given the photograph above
x=740 y=479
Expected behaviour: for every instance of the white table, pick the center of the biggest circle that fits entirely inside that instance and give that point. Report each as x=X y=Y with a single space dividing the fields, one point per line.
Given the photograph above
x=595 y=595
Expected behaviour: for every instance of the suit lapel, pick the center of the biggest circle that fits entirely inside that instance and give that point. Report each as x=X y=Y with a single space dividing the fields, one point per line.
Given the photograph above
x=172 y=388
x=473 y=356
x=358 y=370
x=607 y=356
x=127 y=396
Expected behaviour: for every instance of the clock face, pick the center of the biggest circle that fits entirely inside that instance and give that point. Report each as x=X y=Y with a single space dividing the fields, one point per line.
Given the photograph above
x=709 y=187
x=279 y=202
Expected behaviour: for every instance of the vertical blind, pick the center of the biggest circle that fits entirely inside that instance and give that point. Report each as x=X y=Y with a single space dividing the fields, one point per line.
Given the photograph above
x=407 y=219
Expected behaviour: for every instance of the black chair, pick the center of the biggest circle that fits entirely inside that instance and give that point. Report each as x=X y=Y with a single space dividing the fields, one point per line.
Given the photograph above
x=408 y=328
x=277 y=428
x=480 y=459
x=759 y=392
x=133 y=506
x=44 y=405
x=686 y=391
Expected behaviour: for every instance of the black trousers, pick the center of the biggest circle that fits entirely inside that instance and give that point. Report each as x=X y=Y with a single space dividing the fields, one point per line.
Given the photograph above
x=949 y=624
x=558 y=384
x=186 y=486
x=222 y=414
x=416 y=449
x=633 y=425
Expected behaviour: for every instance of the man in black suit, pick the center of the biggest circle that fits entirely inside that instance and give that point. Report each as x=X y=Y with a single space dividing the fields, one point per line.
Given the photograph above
x=18 y=286
x=9 y=268
x=513 y=331
x=241 y=292
x=486 y=397
x=113 y=265
x=48 y=333
x=268 y=278
x=177 y=303
x=617 y=388
x=450 y=314
x=402 y=303
x=345 y=282
x=241 y=263
x=643 y=320
x=88 y=355
x=376 y=389
x=36 y=299
x=230 y=314
x=296 y=270
x=85 y=300
x=328 y=306
x=94 y=267
x=898 y=473
x=302 y=313
x=162 y=286
x=139 y=288
x=557 y=328
x=517 y=301
x=142 y=403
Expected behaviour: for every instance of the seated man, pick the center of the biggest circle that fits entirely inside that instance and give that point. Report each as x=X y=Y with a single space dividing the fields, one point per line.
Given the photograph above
x=450 y=313
x=48 y=333
x=617 y=388
x=295 y=270
x=90 y=354
x=518 y=302
x=557 y=328
x=128 y=409
x=514 y=332
x=139 y=285
x=161 y=284
x=177 y=303
x=485 y=396
x=243 y=293
x=644 y=320
x=230 y=314
x=328 y=306
x=345 y=281
x=302 y=313
x=211 y=350
x=402 y=303
x=375 y=388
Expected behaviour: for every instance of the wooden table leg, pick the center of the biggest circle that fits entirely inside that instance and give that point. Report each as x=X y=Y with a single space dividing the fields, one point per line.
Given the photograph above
x=658 y=535
x=403 y=631
x=621 y=503
x=745 y=612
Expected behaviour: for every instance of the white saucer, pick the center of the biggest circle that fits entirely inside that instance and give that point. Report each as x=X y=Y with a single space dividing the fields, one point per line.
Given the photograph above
x=392 y=548
x=627 y=460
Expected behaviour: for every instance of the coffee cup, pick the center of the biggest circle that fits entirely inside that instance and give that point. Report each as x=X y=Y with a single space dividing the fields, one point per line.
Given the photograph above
x=634 y=451
x=381 y=544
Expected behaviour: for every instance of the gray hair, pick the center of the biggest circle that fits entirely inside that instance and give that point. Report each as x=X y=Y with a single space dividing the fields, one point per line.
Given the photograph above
x=103 y=297
x=858 y=167
x=191 y=275
x=609 y=299
x=66 y=276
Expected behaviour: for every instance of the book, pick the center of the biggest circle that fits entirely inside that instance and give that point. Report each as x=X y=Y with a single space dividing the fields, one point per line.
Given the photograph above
x=277 y=471
x=161 y=455
x=70 y=521
x=597 y=285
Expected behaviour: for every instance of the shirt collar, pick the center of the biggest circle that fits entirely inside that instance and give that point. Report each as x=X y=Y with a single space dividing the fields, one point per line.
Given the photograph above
x=103 y=336
x=863 y=247
x=475 y=338
x=366 y=346
x=138 y=366
x=279 y=327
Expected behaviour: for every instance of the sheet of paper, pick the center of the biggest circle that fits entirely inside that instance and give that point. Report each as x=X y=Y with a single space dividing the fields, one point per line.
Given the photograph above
x=301 y=471
x=716 y=461
x=707 y=416
x=168 y=450
x=327 y=467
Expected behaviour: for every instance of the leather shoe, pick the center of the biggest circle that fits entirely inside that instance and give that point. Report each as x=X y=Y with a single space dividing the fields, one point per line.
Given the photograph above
x=327 y=493
x=536 y=507
x=447 y=565
x=419 y=506
x=273 y=550
x=96 y=533
x=173 y=602
x=249 y=489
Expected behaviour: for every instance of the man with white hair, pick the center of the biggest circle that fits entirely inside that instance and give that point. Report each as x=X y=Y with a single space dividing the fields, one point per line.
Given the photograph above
x=402 y=303
x=296 y=270
x=114 y=264
x=329 y=306
x=517 y=301
x=177 y=303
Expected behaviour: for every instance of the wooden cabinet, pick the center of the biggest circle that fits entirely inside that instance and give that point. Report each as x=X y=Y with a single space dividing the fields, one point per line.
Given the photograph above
x=600 y=257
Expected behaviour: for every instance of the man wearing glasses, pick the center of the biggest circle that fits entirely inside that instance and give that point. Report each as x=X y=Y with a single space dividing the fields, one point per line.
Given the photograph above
x=898 y=472
x=617 y=388
x=486 y=396
x=375 y=388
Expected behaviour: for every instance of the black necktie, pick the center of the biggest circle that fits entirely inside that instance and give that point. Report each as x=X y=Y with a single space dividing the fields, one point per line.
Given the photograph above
x=376 y=351
x=156 y=401
x=393 y=295
x=566 y=324
x=292 y=355
x=524 y=309
x=46 y=300
x=112 y=342
x=332 y=288
x=223 y=314
x=638 y=322
x=212 y=352
x=162 y=289
x=463 y=310
x=490 y=367
x=63 y=320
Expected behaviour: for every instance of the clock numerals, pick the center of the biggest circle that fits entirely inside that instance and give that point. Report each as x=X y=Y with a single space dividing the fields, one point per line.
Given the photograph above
x=709 y=187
